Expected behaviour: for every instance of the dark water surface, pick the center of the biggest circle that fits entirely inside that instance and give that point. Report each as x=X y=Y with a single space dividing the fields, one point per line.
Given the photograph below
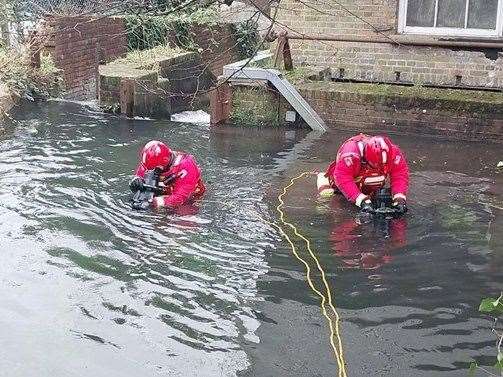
x=89 y=287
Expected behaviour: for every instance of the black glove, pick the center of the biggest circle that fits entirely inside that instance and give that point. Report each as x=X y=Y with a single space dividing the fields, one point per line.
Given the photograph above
x=136 y=184
x=366 y=206
x=400 y=205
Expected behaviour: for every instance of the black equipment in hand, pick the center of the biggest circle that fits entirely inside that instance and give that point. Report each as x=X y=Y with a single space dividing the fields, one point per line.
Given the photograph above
x=143 y=197
x=400 y=205
x=367 y=206
x=136 y=184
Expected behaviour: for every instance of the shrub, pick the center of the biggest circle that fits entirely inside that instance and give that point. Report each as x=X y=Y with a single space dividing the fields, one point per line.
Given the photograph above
x=27 y=82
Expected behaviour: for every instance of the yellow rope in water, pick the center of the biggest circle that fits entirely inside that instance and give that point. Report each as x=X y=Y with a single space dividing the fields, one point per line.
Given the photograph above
x=322 y=296
x=333 y=332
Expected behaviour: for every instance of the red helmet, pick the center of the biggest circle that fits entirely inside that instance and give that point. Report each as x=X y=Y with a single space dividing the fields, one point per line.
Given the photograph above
x=156 y=154
x=376 y=151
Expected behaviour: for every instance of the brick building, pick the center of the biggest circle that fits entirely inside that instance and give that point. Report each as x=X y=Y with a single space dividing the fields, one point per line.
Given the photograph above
x=78 y=45
x=434 y=42
x=438 y=51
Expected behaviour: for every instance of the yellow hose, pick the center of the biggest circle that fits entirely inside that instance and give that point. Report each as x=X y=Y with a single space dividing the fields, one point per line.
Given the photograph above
x=334 y=329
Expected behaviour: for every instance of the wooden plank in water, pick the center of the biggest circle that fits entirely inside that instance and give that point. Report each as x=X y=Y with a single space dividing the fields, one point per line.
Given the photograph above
x=220 y=104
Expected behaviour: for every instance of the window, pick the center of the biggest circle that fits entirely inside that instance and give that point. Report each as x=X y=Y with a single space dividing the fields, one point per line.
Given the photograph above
x=451 y=17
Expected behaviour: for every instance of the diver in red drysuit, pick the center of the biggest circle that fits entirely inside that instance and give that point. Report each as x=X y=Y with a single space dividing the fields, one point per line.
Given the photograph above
x=181 y=176
x=363 y=165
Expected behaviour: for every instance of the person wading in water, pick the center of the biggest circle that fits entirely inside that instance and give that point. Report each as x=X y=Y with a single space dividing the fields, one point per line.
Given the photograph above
x=362 y=167
x=179 y=175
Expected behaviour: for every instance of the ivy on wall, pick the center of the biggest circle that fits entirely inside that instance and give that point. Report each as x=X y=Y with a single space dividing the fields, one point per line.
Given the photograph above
x=247 y=38
x=144 y=32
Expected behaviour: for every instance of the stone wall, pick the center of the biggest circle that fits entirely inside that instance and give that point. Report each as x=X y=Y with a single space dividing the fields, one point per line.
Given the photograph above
x=78 y=45
x=188 y=76
x=149 y=96
x=381 y=62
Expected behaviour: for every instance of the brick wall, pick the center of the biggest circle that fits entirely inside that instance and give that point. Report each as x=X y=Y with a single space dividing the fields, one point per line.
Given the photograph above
x=380 y=62
x=452 y=114
x=79 y=44
x=467 y=116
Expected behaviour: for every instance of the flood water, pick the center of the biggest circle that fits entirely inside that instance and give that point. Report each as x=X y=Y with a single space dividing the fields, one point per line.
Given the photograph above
x=89 y=287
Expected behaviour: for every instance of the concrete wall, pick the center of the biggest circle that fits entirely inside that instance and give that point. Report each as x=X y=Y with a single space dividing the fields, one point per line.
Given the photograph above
x=170 y=85
x=380 y=62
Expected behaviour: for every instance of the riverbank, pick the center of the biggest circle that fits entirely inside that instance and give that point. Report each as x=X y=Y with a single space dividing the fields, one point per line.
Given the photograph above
x=6 y=101
x=20 y=79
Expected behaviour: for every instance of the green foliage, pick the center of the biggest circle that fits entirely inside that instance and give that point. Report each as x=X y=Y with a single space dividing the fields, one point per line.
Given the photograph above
x=247 y=38
x=47 y=65
x=201 y=16
x=299 y=74
x=492 y=306
x=499 y=362
x=183 y=35
x=145 y=32
x=24 y=81
x=144 y=58
x=473 y=368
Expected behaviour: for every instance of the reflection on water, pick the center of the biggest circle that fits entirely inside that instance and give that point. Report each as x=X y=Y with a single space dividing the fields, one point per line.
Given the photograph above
x=90 y=287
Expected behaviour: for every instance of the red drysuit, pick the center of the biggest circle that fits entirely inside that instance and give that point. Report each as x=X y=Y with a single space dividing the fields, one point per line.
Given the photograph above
x=356 y=179
x=187 y=183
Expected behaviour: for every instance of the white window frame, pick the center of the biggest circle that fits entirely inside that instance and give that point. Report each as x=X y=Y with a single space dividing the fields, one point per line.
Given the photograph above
x=447 y=31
